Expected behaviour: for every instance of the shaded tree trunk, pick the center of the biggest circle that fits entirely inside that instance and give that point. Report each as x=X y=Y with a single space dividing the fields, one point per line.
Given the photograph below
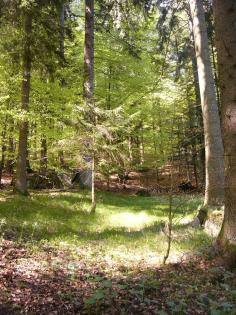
x=214 y=186
x=88 y=84
x=155 y=151
x=89 y=51
x=43 y=159
x=225 y=17
x=130 y=149
x=61 y=159
x=4 y=148
x=200 y=135
x=10 y=150
x=141 y=143
x=21 y=170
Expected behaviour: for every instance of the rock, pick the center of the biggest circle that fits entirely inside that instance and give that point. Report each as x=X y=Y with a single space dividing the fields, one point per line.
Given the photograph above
x=143 y=193
x=66 y=180
x=196 y=222
x=202 y=214
x=186 y=186
x=83 y=178
x=214 y=222
x=48 y=181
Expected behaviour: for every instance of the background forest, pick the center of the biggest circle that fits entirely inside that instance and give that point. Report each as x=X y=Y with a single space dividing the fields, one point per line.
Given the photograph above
x=144 y=98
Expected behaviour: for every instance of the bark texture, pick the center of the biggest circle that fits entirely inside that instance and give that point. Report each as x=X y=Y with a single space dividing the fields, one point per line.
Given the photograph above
x=89 y=50
x=21 y=169
x=214 y=153
x=225 y=24
x=88 y=86
x=44 y=158
x=198 y=101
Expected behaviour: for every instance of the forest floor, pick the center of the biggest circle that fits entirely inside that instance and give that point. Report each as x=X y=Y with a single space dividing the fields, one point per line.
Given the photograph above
x=56 y=258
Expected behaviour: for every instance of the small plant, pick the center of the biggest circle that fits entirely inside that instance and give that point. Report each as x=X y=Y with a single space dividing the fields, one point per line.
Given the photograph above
x=99 y=295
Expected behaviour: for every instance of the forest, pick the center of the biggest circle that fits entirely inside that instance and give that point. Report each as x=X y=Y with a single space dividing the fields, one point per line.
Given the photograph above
x=118 y=157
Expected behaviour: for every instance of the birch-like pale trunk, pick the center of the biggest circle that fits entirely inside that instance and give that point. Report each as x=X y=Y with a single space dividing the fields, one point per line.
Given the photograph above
x=214 y=152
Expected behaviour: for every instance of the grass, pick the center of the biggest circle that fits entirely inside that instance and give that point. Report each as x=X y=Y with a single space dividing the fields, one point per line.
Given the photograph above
x=124 y=228
x=62 y=260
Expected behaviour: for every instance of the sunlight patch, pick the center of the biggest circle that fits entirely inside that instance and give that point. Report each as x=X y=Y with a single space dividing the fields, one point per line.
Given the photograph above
x=132 y=221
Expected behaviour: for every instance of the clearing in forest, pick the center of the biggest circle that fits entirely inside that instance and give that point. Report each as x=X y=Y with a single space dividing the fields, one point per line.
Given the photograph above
x=58 y=259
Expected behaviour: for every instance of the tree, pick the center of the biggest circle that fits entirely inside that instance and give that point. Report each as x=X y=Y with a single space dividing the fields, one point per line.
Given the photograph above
x=214 y=186
x=21 y=170
x=225 y=17
x=88 y=83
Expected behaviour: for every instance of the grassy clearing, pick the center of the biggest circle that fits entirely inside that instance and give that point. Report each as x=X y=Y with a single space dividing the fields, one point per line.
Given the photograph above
x=62 y=260
x=125 y=228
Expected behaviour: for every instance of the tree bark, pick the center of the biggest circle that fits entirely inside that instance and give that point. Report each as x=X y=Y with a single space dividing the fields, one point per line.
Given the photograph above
x=88 y=84
x=89 y=50
x=44 y=158
x=225 y=17
x=141 y=145
x=214 y=186
x=198 y=103
x=130 y=149
x=10 y=163
x=4 y=148
x=21 y=170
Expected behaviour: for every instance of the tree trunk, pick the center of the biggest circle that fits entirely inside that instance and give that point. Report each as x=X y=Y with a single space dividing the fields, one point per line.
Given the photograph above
x=10 y=150
x=130 y=149
x=198 y=104
x=88 y=84
x=93 y=206
x=61 y=159
x=214 y=187
x=43 y=159
x=4 y=148
x=155 y=151
x=21 y=170
x=225 y=17
x=193 y=142
x=89 y=50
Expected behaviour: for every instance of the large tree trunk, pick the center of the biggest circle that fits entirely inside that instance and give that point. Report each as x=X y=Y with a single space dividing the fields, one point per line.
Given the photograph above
x=88 y=86
x=225 y=17
x=200 y=136
x=214 y=186
x=21 y=170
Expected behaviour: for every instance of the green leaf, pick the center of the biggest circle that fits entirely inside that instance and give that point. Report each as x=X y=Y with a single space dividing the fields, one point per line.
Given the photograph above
x=107 y=284
x=98 y=295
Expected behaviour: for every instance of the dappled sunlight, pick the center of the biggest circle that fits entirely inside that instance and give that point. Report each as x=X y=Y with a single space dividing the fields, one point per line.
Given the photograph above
x=131 y=221
x=65 y=254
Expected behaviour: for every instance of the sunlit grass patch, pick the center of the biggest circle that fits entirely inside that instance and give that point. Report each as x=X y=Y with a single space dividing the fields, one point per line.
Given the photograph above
x=125 y=228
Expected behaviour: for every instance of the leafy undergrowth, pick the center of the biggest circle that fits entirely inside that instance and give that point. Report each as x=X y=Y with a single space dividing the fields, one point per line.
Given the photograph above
x=55 y=258
x=56 y=281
